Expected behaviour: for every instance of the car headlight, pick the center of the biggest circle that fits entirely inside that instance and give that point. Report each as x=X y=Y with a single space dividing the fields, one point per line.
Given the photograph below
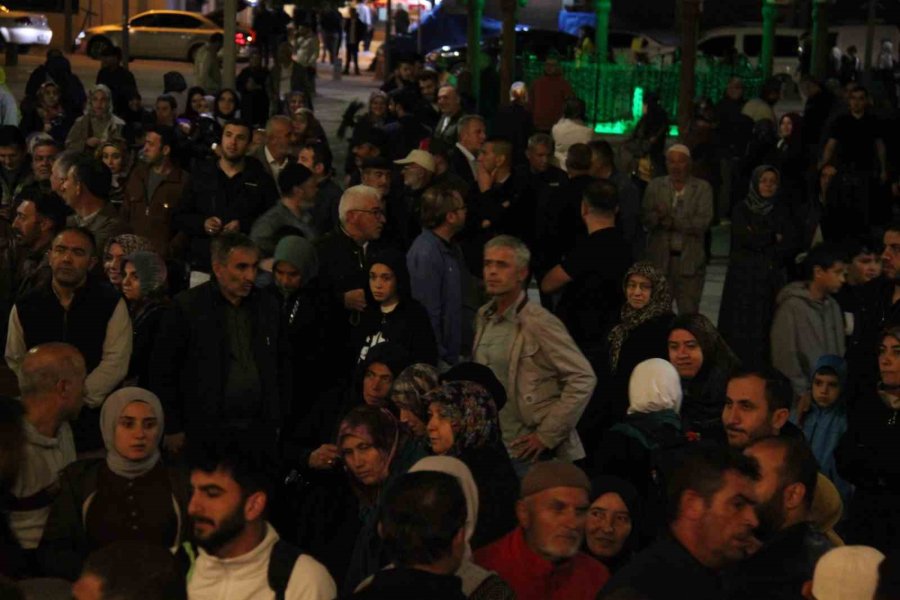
x=80 y=36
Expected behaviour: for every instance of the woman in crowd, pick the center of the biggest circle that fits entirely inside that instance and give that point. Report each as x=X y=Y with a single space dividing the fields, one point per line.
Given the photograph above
x=48 y=114
x=408 y=393
x=196 y=104
x=790 y=159
x=129 y=495
x=144 y=288
x=279 y=84
x=703 y=361
x=642 y=448
x=463 y=423
x=477 y=582
x=642 y=332
x=226 y=107
x=760 y=230
x=97 y=124
x=115 y=155
x=613 y=522
x=118 y=248
x=375 y=450
x=867 y=454
x=305 y=128
x=135 y=114
x=294 y=101
x=393 y=315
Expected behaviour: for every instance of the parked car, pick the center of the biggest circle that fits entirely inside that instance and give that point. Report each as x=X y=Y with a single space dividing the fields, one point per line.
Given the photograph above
x=539 y=42
x=24 y=28
x=168 y=34
x=721 y=41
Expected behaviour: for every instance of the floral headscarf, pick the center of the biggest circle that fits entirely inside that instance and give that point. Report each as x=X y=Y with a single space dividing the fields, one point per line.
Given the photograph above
x=471 y=409
x=130 y=243
x=660 y=303
x=755 y=202
x=411 y=386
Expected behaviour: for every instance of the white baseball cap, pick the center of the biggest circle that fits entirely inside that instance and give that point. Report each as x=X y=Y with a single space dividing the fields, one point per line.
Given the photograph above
x=418 y=157
x=847 y=573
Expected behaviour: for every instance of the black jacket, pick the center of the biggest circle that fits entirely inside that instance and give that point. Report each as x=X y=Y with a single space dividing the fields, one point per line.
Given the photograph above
x=189 y=363
x=407 y=325
x=498 y=484
x=458 y=164
x=211 y=193
x=146 y=327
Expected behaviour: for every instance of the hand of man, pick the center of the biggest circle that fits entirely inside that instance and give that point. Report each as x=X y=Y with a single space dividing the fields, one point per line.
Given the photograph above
x=324 y=457
x=528 y=447
x=485 y=178
x=232 y=226
x=173 y=443
x=213 y=225
x=92 y=142
x=355 y=300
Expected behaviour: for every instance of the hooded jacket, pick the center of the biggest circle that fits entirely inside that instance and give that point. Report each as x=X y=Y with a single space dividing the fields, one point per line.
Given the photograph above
x=804 y=330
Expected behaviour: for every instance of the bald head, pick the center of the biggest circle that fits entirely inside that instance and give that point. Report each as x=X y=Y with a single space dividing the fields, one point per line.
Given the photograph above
x=52 y=369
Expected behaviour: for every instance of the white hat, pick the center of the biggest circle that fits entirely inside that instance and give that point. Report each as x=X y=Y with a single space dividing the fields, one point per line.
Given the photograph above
x=847 y=573
x=679 y=148
x=418 y=157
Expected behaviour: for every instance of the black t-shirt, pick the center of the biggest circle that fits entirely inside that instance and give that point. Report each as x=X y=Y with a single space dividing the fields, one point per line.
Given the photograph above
x=856 y=141
x=590 y=304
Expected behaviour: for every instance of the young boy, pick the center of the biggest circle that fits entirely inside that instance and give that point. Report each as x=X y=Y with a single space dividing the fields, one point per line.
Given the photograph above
x=808 y=322
x=825 y=421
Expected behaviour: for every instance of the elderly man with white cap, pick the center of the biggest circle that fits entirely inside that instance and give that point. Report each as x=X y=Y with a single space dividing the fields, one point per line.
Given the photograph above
x=418 y=172
x=677 y=211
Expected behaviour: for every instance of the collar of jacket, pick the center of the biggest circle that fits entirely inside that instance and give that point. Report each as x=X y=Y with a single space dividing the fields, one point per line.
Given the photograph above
x=492 y=307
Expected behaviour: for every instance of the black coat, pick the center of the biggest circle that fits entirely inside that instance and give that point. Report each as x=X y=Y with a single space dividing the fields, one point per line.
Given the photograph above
x=190 y=359
x=458 y=164
x=498 y=487
x=146 y=327
x=755 y=275
x=408 y=326
x=648 y=340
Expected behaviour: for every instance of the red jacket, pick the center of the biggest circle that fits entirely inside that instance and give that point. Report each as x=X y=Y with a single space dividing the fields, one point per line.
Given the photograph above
x=533 y=577
x=548 y=96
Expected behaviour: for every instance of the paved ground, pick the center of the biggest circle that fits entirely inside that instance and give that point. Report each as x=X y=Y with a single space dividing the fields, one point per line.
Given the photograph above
x=331 y=101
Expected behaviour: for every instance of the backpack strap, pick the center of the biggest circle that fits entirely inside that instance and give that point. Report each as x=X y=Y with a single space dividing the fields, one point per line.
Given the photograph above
x=281 y=565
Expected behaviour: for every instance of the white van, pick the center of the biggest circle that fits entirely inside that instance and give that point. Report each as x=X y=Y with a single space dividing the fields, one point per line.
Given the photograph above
x=748 y=41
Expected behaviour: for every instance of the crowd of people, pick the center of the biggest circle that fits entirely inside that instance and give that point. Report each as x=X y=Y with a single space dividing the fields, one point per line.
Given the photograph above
x=472 y=367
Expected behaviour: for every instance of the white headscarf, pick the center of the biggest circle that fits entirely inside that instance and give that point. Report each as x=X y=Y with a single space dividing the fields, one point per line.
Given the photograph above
x=109 y=418
x=471 y=574
x=654 y=386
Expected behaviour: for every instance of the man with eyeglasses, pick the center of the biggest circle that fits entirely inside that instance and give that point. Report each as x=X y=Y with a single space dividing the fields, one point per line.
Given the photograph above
x=82 y=310
x=343 y=254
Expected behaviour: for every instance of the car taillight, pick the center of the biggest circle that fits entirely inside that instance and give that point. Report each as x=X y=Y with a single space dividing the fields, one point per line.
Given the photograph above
x=240 y=40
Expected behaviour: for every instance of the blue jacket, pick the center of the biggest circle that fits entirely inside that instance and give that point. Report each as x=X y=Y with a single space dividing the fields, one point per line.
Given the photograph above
x=435 y=270
x=823 y=429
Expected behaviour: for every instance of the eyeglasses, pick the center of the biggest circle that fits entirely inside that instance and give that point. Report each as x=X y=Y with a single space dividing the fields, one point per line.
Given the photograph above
x=378 y=213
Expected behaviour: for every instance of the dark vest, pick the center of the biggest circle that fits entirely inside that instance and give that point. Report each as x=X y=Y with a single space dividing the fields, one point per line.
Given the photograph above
x=84 y=325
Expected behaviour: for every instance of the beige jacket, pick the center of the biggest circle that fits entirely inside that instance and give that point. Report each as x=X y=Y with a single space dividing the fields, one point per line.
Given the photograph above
x=550 y=382
x=690 y=220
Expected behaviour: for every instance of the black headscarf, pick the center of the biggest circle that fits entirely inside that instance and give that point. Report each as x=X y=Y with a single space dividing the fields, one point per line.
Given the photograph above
x=608 y=484
x=480 y=374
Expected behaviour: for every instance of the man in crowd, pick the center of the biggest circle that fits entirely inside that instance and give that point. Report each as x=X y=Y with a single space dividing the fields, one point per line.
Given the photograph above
x=127 y=570
x=628 y=219
x=498 y=202
x=86 y=191
x=44 y=151
x=15 y=168
x=117 y=78
x=548 y=95
x=711 y=498
x=153 y=193
x=542 y=558
x=418 y=173
x=677 y=211
x=165 y=111
x=403 y=77
x=408 y=131
x=437 y=270
x=366 y=143
x=231 y=491
x=790 y=544
x=428 y=110
x=274 y=154
x=549 y=384
x=81 y=310
x=316 y=156
x=423 y=526
x=463 y=160
x=450 y=107
x=38 y=219
x=342 y=259
x=225 y=195
x=293 y=212
x=51 y=381
x=220 y=356
x=207 y=72
x=757 y=405
x=536 y=179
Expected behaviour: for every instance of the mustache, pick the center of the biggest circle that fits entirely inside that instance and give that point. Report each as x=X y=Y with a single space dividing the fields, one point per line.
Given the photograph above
x=196 y=520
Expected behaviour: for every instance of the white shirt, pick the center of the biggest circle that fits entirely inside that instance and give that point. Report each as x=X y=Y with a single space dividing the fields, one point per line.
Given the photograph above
x=246 y=577
x=364 y=13
x=566 y=133
x=274 y=164
x=44 y=459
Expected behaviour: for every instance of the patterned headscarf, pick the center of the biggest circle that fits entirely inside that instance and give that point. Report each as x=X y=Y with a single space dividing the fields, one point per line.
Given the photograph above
x=472 y=411
x=130 y=244
x=755 y=202
x=411 y=386
x=660 y=303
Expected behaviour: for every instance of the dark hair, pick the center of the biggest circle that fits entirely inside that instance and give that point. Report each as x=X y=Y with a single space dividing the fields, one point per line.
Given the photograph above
x=111 y=50
x=857 y=245
x=169 y=99
x=779 y=393
x=166 y=133
x=574 y=108
x=437 y=202
x=11 y=135
x=291 y=176
x=217 y=38
x=422 y=513
x=246 y=454
x=602 y=196
x=47 y=205
x=503 y=147
x=428 y=75
x=321 y=154
x=702 y=469
x=83 y=232
x=93 y=174
x=798 y=465
x=406 y=99
x=859 y=88
x=823 y=256
x=222 y=245
x=237 y=123
x=893 y=227
x=132 y=569
x=578 y=157
x=603 y=150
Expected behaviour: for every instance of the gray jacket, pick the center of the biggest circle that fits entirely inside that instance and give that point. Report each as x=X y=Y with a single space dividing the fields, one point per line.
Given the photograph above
x=690 y=220
x=803 y=330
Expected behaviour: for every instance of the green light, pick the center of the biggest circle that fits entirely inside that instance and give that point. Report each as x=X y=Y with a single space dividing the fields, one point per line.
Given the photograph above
x=613 y=128
x=637 y=104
